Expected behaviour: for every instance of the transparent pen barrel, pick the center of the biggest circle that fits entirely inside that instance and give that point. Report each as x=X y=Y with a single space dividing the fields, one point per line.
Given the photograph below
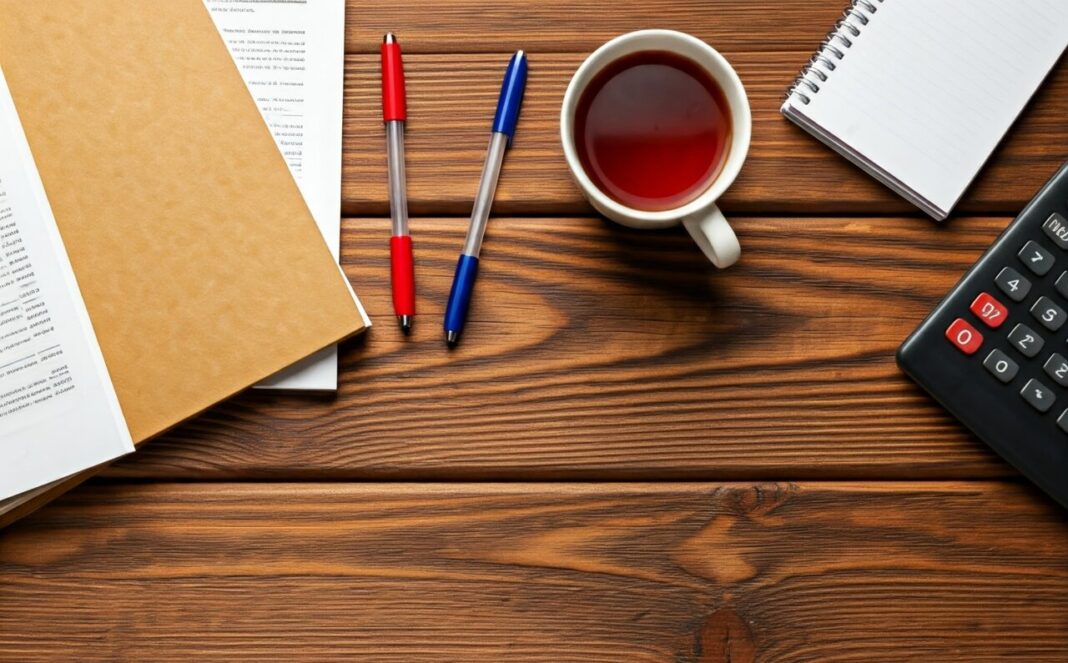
x=398 y=196
x=484 y=198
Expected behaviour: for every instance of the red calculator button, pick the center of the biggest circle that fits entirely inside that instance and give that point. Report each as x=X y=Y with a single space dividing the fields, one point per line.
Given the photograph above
x=989 y=310
x=964 y=336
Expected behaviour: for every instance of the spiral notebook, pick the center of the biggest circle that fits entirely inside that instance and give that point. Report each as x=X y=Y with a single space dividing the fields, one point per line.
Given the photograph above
x=918 y=93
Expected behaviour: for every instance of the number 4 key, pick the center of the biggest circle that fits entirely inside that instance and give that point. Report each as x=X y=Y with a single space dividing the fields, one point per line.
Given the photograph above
x=1014 y=284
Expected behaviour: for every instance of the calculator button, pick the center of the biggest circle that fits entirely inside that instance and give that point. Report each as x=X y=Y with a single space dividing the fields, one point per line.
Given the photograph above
x=1037 y=259
x=989 y=310
x=1057 y=368
x=964 y=336
x=1013 y=284
x=1062 y=421
x=1049 y=314
x=1026 y=340
x=1001 y=365
x=1056 y=228
x=1062 y=284
x=1038 y=395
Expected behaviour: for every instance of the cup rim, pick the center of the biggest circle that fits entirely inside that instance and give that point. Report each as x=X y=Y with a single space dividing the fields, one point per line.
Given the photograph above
x=741 y=120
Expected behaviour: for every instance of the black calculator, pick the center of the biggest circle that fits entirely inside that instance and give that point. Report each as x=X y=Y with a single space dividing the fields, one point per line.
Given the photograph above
x=995 y=351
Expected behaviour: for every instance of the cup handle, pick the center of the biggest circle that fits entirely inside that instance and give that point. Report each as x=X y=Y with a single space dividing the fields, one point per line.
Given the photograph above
x=710 y=229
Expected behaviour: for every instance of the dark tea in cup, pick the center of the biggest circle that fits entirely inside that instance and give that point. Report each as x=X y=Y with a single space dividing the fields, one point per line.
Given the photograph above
x=652 y=130
x=655 y=126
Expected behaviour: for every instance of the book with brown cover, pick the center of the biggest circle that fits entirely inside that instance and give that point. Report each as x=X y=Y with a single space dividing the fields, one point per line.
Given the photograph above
x=198 y=260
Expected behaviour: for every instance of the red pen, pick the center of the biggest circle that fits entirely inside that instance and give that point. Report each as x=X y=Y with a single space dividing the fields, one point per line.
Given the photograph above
x=394 y=114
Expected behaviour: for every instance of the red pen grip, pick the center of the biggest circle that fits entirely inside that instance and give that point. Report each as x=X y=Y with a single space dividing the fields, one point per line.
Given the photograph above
x=402 y=266
x=394 y=104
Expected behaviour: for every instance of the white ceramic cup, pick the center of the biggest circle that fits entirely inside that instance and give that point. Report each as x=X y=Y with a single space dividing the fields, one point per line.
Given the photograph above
x=701 y=217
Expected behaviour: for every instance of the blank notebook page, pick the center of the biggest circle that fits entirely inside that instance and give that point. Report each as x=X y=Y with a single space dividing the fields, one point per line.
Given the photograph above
x=929 y=88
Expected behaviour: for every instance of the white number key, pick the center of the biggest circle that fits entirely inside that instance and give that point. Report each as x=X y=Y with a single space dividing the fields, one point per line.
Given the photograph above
x=1049 y=314
x=1013 y=284
x=1001 y=366
x=1026 y=340
x=1037 y=259
x=1057 y=368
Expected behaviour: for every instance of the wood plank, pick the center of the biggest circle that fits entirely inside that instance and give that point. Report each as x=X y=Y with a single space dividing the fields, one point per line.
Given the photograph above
x=550 y=26
x=595 y=352
x=672 y=573
x=451 y=102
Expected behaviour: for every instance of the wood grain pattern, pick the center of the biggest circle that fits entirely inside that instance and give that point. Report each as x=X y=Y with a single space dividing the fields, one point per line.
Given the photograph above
x=451 y=102
x=554 y=26
x=595 y=352
x=552 y=573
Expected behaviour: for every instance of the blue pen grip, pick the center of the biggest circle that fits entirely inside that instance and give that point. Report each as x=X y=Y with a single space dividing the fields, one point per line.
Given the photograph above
x=460 y=296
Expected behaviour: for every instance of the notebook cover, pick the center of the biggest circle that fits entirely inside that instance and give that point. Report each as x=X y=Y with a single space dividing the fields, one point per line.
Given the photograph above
x=199 y=262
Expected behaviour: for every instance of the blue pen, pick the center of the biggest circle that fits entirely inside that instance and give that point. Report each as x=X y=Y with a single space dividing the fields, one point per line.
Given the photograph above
x=515 y=80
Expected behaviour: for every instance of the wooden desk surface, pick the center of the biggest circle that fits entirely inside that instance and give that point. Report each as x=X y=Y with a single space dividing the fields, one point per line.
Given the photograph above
x=631 y=457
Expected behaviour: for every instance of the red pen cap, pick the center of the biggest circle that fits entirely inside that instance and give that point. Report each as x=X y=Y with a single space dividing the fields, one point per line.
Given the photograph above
x=394 y=106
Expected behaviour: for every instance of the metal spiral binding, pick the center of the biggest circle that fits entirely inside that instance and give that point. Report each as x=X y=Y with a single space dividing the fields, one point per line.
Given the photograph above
x=833 y=48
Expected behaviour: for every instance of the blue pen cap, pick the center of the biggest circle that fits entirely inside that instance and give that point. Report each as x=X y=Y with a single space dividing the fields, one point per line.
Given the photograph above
x=515 y=81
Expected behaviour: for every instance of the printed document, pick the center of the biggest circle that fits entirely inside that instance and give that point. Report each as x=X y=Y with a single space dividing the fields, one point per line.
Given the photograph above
x=292 y=57
x=59 y=413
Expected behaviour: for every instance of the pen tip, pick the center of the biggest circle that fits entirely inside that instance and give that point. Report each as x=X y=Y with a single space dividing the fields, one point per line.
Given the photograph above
x=452 y=338
x=405 y=323
x=519 y=55
x=389 y=38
